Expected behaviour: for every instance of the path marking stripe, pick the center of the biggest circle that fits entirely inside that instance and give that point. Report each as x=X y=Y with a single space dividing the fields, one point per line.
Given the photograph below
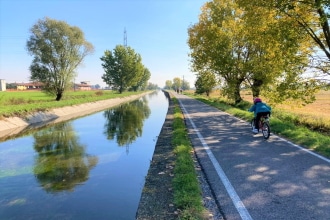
x=305 y=150
x=243 y=212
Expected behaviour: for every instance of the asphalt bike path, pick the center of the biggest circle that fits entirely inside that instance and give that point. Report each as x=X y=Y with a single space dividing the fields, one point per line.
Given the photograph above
x=254 y=178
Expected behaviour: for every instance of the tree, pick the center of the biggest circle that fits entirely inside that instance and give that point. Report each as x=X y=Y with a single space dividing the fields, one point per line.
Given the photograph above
x=57 y=49
x=168 y=84
x=279 y=73
x=217 y=45
x=241 y=42
x=176 y=83
x=185 y=85
x=123 y=68
x=205 y=82
x=152 y=86
x=313 y=17
x=143 y=82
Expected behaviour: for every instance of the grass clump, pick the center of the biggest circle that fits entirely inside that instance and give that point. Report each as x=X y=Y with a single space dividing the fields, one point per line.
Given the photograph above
x=187 y=192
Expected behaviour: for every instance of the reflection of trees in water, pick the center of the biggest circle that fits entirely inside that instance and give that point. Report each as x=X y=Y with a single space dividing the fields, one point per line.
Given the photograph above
x=126 y=121
x=153 y=94
x=62 y=162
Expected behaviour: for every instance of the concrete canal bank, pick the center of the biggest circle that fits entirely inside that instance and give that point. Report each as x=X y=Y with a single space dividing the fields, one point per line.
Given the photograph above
x=14 y=125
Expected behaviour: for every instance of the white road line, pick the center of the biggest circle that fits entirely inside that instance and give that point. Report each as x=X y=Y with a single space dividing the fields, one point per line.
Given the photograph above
x=304 y=149
x=245 y=215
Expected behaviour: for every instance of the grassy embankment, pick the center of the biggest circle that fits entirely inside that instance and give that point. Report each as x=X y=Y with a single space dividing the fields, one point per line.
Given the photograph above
x=308 y=126
x=187 y=193
x=22 y=103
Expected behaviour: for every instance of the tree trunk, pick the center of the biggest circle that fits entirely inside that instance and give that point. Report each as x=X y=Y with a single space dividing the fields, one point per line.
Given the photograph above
x=58 y=96
x=255 y=91
x=236 y=92
x=237 y=95
x=257 y=83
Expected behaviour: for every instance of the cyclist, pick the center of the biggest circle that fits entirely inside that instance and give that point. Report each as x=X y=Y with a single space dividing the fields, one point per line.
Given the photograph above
x=260 y=109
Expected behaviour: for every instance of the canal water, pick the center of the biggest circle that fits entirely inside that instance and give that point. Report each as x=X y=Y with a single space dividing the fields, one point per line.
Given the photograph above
x=93 y=167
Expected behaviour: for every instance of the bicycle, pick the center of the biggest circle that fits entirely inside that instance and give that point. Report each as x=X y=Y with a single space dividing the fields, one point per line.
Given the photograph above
x=263 y=125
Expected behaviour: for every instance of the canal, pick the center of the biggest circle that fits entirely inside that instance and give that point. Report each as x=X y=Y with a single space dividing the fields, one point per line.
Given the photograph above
x=92 y=167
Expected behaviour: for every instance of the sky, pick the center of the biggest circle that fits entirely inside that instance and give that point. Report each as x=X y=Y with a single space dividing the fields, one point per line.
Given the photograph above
x=155 y=29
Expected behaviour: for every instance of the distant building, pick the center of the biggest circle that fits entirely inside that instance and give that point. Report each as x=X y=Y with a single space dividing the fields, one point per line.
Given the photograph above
x=2 y=85
x=29 y=86
x=83 y=86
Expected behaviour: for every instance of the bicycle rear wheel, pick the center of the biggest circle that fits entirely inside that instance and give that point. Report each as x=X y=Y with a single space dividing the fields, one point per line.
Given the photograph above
x=265 y=130
x=252 y=124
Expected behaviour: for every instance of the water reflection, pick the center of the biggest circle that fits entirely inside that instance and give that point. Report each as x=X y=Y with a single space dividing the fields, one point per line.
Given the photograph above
x=125 y=123
x=40 y=171
x=62 y=162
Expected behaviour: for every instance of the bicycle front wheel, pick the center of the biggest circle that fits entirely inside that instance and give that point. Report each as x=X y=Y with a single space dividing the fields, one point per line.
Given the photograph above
x=265 y=130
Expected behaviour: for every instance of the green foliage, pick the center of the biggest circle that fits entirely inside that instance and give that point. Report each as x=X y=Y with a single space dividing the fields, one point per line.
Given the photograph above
x=177 y=83
x=245 y=43
x=60 y=152
x=124 y=69
x=125 y=122
x=205 y=82
x=57 y=49
x=313 y=18
x=142 y=84
x=152 y=86
x=168 y=84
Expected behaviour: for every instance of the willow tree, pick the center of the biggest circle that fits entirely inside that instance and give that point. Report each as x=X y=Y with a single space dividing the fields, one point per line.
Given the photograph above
x=123 y=68
x=57 y=49
x=216 y=45
x=277 y=52
x=246 y=43
x=286 y=51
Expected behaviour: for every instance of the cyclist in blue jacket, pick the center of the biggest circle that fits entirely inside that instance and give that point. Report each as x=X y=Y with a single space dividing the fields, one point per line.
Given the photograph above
x=260 y=109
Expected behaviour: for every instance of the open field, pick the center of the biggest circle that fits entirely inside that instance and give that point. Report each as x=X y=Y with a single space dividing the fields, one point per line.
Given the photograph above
x=315 y=116
x=318 y=109
x=20 y=103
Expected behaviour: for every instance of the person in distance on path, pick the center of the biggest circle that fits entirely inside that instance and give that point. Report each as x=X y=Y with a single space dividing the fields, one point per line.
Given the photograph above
x=260 y=109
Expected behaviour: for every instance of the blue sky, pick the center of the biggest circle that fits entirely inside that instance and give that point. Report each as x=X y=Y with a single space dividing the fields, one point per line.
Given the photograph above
x=156 y=29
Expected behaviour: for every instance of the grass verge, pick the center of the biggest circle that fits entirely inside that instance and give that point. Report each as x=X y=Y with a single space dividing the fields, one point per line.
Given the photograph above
x=22 y=103
x=187 y=192
x=280 y=124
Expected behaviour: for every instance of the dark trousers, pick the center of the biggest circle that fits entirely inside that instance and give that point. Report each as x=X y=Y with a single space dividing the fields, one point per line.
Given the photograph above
x=257 y=119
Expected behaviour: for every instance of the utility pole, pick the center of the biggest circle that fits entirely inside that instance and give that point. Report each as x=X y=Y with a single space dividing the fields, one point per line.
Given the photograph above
x=125 y=38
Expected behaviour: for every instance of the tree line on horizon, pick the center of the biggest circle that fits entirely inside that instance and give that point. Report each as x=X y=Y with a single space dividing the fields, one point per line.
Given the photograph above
x=58 y=49
x=279 y=49
x=177 y=84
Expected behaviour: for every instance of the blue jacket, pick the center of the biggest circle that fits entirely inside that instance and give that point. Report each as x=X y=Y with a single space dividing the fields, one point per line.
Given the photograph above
x=260 y=107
